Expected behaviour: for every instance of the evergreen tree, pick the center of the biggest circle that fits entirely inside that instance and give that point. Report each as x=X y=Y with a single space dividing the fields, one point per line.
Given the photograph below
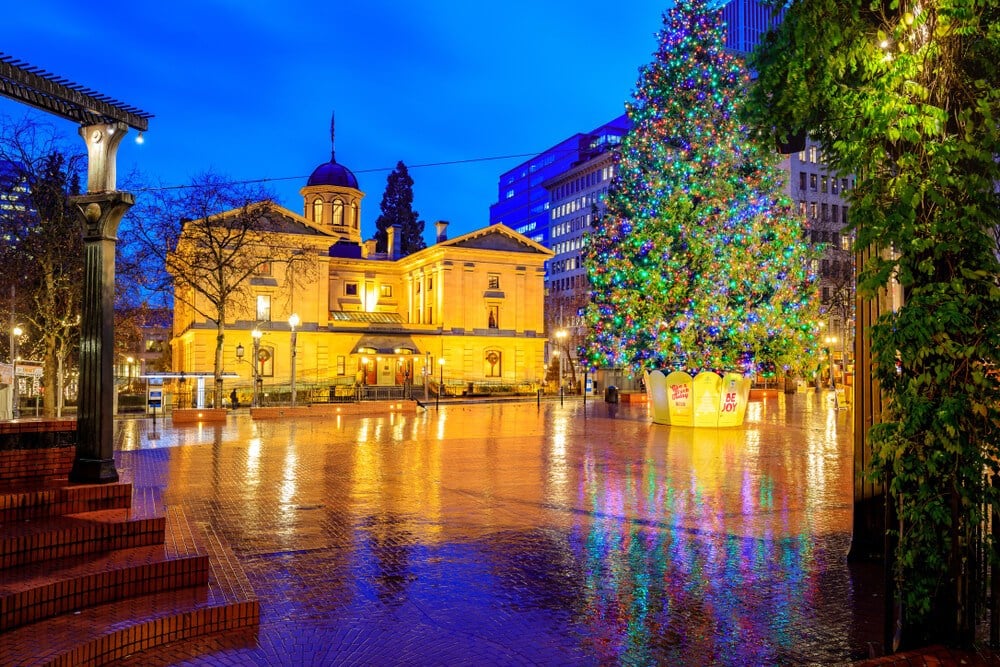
x=697 y=263
x=397 y=209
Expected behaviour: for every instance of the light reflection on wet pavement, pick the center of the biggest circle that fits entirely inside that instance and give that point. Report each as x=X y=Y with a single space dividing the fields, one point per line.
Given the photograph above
x=517 y=534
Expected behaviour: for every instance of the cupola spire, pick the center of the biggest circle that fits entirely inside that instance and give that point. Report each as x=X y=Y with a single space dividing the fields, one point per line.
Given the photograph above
x=333 y=134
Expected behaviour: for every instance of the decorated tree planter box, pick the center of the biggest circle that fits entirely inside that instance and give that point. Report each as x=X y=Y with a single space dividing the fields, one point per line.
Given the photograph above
x=706 y=400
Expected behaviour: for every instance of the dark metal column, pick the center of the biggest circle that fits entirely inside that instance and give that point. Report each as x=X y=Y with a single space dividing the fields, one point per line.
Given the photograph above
x=101 y=214
x=101 y=210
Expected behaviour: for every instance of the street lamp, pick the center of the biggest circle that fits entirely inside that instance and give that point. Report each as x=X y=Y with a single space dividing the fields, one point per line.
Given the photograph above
x=830 y=340
x=440 y=381
x=258 y=371
x=15 y=343
x=560 y=336
x=293 y=321
x=254 y=374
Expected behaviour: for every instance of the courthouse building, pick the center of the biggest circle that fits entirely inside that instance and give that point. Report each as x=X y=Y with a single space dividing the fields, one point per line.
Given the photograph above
x=467 y=309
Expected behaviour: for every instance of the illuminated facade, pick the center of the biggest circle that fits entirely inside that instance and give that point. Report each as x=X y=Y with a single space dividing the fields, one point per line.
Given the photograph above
x=377 y=319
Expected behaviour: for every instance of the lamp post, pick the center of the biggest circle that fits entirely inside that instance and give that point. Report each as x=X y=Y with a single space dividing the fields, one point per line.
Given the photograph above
x=561 y=336
x=293 y=321
x=257 y=370
x=17 y=331
x=830 y=340
x=440 y=382
x=427 y=372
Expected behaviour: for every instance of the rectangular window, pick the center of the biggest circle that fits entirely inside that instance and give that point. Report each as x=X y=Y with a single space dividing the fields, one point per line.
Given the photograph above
x=263 y=269
x=430 y=284
x=802 y=180
x=812 y=182
x=493 y=319
x=836 y=212
x=493 y=281
x=845 y=242
x=341 y=365
x=802 y=208
x=351 y=289
x=843 y=184
x=834 y=187
x=822 y=184
x=812 y=154
x=385 y=290
x=430 y=314
x=825 y=211
x=263 y=308
x=812 y=210
x=843 y=215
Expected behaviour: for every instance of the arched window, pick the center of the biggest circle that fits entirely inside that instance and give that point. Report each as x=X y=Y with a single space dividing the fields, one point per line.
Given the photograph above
x=318 y=211
x=491 y=364
x=354 y=214
x=338 y=212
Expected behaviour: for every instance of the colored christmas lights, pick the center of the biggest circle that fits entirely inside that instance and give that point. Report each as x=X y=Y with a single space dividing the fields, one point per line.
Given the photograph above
x=698 y=262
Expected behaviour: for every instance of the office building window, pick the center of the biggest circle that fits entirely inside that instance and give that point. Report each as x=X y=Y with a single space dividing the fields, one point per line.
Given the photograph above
x=493 y=281
x=822 y=183
x=812 y=182
x=493 y=318
x=263 y=308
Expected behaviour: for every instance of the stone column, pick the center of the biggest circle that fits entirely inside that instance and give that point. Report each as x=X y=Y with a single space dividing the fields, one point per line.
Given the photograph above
x=101 y=210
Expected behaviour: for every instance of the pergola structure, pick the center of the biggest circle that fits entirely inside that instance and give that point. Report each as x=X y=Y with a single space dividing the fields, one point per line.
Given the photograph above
x=103 y=124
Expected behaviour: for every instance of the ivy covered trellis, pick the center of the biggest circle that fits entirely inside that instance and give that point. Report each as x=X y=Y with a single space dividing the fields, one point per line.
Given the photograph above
x=906 y=96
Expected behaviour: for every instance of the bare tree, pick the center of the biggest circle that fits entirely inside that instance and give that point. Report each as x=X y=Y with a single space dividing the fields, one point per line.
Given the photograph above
x=42 y=253
x=201 y=245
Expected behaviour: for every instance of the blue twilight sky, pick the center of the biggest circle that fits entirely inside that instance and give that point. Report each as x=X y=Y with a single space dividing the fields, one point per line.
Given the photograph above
x=246 y=88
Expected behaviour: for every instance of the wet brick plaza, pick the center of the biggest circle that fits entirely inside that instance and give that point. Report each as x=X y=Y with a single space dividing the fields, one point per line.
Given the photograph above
x=519 y=534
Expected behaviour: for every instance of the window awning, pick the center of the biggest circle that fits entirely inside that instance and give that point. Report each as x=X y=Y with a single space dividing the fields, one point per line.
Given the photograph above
x=386 y=344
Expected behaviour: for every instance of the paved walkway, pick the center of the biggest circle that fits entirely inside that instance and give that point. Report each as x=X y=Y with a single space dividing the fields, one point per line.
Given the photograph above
x=510 y=534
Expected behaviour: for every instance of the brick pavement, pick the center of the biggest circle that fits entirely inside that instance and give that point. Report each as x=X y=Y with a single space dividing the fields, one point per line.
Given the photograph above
x=512 y=534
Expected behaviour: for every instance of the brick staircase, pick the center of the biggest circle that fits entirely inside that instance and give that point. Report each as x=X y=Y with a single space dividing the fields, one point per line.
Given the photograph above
x=91 y=574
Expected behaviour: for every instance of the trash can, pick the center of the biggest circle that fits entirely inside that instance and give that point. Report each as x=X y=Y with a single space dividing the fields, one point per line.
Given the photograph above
x=611 y=394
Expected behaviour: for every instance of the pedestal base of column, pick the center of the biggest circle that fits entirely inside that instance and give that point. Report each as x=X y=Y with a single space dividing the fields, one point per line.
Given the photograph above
x=93 y=471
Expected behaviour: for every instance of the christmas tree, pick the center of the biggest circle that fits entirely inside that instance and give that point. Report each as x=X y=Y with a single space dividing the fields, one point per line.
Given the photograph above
x=698 y=262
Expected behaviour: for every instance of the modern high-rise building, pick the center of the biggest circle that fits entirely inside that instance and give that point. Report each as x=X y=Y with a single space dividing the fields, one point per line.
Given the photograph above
x=523 y=202
x=746 y=22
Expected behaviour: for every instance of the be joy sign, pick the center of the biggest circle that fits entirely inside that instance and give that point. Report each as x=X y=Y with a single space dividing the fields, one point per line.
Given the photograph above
x=707 y=399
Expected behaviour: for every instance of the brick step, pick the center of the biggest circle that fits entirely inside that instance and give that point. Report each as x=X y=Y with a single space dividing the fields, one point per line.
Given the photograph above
x=76 y=534
x=107 y=633
x=32 y=592
x=65 y=499
x=235 y=647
